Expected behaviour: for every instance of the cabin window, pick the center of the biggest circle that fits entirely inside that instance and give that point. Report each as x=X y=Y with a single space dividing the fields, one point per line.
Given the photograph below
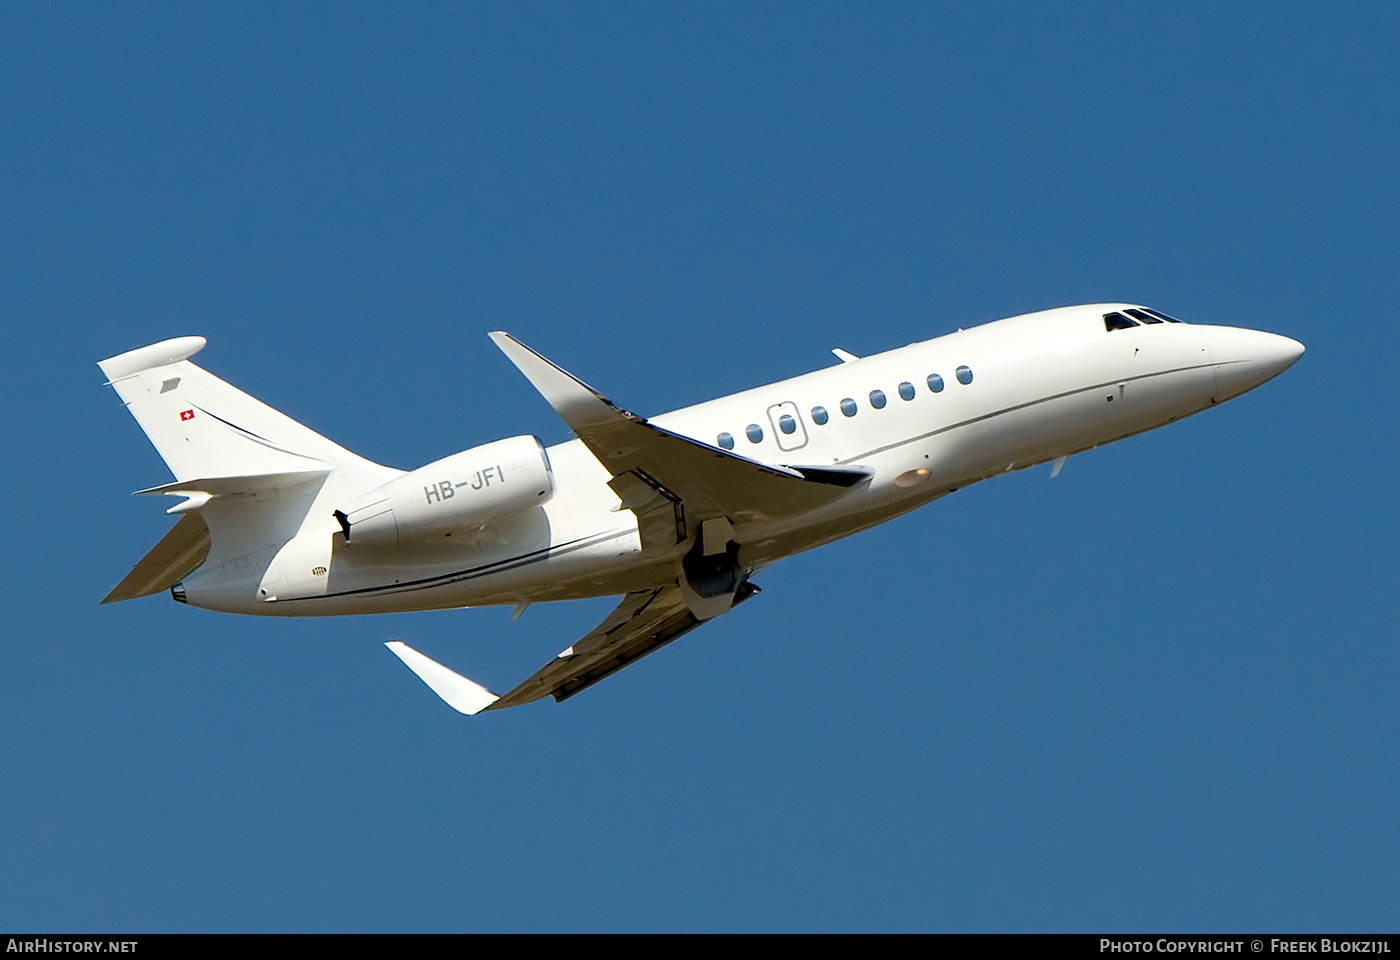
x=935 y=383
x=964 y=375
x=906 y=390
x=754 y=432
x=726 y=440
x=1116 y=321
x=877 y=399
x=787 y=424
x=819 y=415
x=848 y=407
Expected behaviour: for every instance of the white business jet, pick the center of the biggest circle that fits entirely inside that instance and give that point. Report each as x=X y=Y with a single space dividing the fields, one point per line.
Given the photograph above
x=675 y=512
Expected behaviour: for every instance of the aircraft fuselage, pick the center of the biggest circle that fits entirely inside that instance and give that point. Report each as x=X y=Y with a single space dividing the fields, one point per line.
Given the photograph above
x=923 y=420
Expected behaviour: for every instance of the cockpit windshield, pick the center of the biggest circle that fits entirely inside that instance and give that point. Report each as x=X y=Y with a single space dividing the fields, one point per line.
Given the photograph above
x=1134 y=317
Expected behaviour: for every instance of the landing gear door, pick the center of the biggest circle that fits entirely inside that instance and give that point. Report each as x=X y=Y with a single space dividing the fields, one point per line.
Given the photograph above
x=787 y=426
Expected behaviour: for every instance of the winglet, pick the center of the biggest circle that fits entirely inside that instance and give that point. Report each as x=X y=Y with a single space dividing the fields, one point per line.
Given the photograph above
x=457 y=691
x=578 y=404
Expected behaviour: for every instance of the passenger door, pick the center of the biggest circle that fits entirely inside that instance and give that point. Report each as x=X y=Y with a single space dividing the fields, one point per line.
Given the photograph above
x=788 y=427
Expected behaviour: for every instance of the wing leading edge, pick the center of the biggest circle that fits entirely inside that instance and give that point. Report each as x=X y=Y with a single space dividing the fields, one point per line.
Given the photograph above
x=671 y=481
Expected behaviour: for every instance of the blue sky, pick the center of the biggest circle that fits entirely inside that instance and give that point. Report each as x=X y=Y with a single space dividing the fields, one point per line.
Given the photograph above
x=1157 y=693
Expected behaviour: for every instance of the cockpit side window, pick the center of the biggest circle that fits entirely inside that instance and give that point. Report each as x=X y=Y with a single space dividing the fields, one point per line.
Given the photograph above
x=1143 y=315
x=1116 y=321
x=1158 y=313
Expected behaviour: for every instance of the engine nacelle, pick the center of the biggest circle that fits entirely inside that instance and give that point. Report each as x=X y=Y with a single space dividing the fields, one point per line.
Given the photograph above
x=460 y=492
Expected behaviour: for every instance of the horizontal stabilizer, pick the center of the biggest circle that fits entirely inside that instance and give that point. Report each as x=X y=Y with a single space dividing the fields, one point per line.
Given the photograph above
x=179 y=552
x=246 y=485
x=457 y=691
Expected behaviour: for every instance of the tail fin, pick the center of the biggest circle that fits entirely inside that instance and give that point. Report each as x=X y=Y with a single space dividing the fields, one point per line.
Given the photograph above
x=251 y=478
x=202 y=427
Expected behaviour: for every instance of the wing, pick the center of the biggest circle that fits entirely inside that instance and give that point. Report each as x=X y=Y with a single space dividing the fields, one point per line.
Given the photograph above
x=678 y=487
x=671 y=481
x=644 y=621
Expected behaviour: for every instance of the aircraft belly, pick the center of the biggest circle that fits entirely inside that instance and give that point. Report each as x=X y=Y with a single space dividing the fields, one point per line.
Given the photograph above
x=599 y=567
x=1017 y=433
x=769 y=546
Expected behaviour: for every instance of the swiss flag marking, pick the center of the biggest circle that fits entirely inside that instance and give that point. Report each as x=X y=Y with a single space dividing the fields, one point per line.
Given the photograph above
x=186 y=414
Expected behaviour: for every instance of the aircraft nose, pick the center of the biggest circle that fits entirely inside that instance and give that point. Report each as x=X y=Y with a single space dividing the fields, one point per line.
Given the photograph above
x=1246 y=358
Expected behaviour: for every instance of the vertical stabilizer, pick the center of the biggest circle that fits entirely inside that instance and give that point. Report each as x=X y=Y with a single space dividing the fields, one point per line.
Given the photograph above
x=203 y=427
x=259 y=487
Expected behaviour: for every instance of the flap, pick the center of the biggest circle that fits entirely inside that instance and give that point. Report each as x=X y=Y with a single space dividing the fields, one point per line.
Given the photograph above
x=643 y=622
